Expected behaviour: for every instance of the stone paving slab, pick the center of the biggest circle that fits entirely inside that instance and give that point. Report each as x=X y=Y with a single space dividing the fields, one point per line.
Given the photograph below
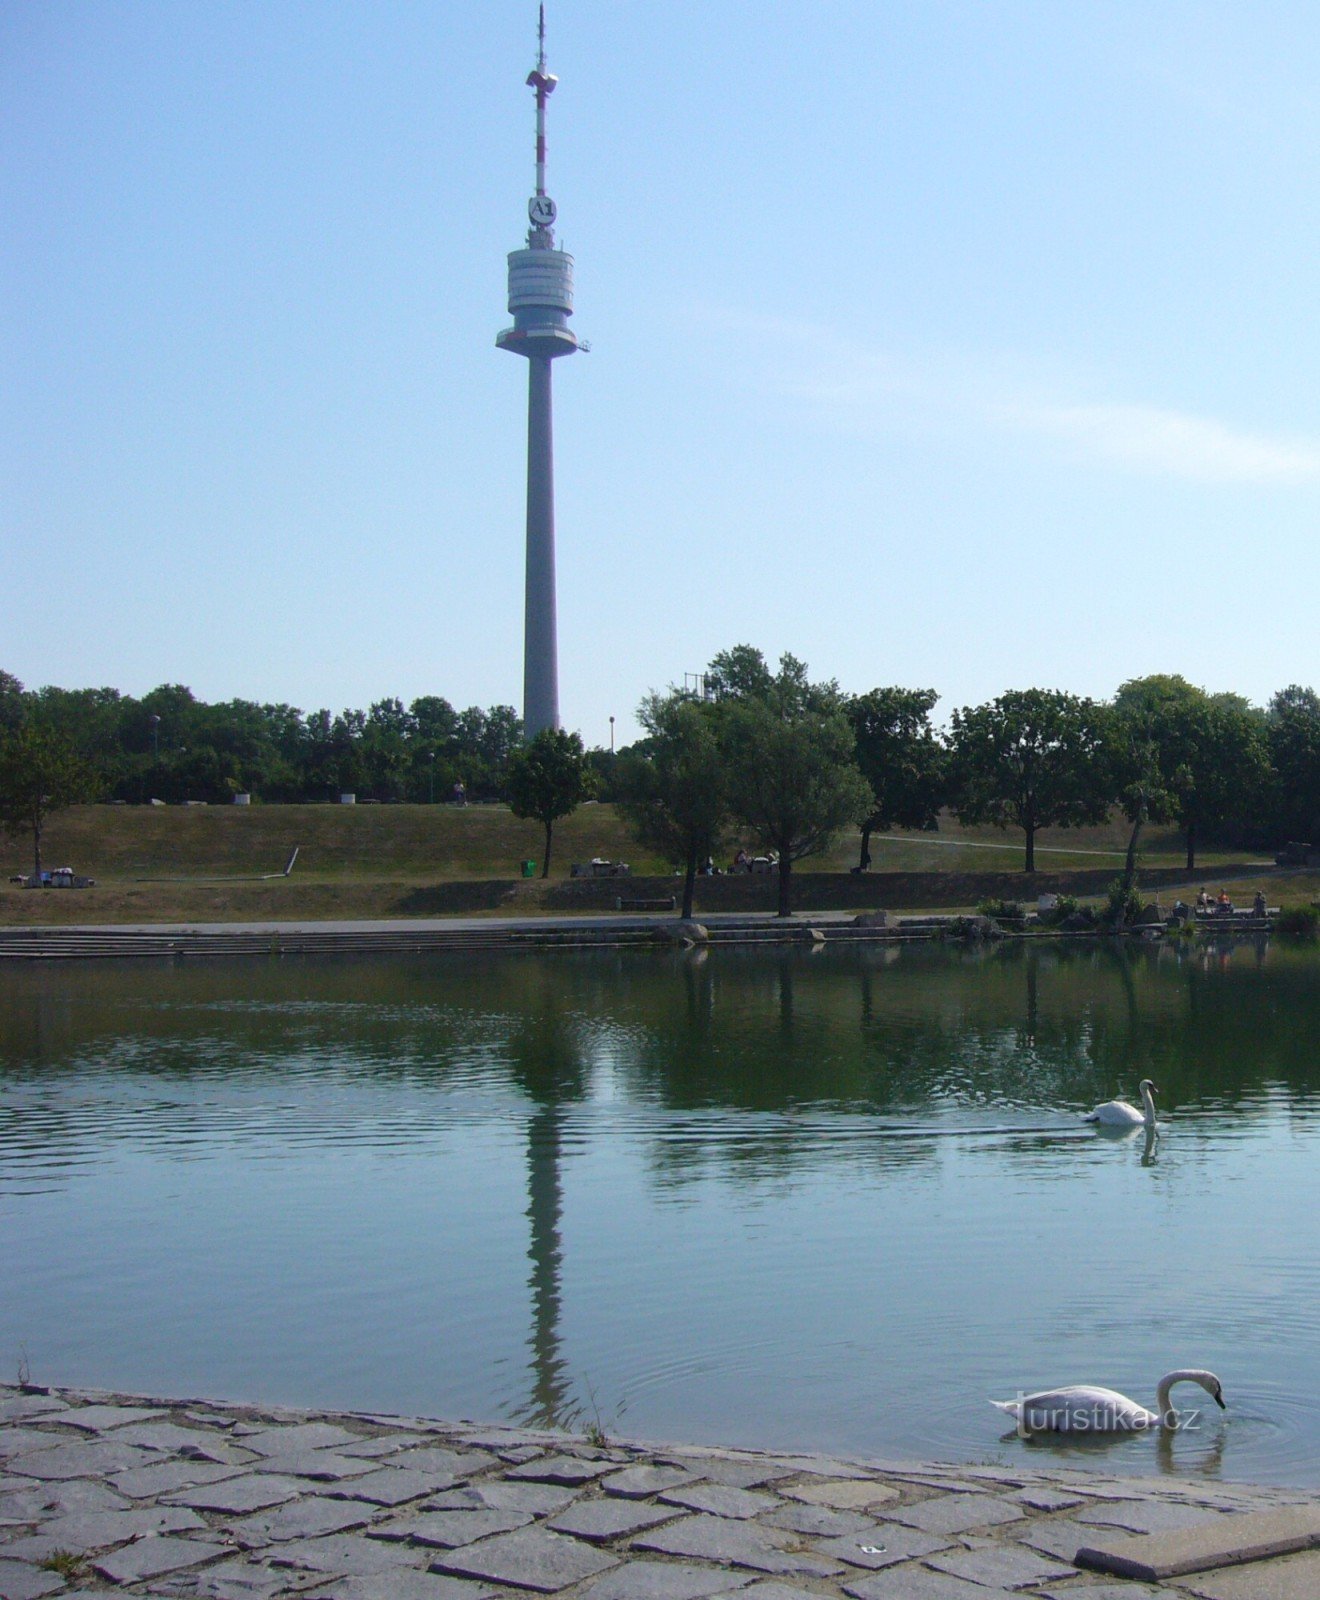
x=300 y=1519
x=736 y=1543
x=918 y=1583
x=400 y=1585
x=539 y=1499
x=447 y=1530
x=602 y=1520
x=719 y=1500
x=1010 y=1566
x=843 y=1494
x=666 y=1580
x=97 y=1419
x=195 y=1501
x=882 y=1545
x=390 y=1486
x=532 y=1558
x=958 y=1513
x=1228 y=1541
x=148 y=1558
x=1294 y=1577
x=21 y=1581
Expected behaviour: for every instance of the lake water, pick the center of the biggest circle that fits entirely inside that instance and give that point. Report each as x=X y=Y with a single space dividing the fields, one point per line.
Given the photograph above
x=831 y=1201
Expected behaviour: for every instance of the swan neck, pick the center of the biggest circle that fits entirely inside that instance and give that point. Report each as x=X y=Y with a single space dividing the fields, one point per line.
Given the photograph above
x=1148 y=1104
x=1168 y=1416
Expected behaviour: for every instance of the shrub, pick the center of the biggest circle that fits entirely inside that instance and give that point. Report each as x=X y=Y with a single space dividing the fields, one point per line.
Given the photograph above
x=1300 y=922
x=1122 y=904
x=1066 y=905
x=1001 y=910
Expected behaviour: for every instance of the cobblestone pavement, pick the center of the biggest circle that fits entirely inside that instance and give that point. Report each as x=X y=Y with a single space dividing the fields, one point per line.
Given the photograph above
x=198 y=1501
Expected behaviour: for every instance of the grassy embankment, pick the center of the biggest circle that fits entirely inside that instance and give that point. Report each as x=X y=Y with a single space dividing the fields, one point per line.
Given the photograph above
x=401 y=861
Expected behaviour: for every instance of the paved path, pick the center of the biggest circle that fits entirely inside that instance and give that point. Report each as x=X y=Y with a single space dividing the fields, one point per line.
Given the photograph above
x=206 y=1502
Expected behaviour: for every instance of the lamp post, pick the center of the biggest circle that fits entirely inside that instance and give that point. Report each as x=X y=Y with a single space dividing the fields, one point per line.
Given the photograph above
x=611 y=735
x=430 y=756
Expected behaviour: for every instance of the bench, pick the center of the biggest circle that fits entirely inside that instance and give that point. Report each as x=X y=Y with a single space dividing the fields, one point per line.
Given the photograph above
x=663 y=903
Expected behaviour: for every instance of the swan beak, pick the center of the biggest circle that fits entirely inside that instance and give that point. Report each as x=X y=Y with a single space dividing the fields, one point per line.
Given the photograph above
x=1220 y=1401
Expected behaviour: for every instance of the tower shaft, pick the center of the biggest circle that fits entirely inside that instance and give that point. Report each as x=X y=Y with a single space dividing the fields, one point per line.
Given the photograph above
x=540 y=628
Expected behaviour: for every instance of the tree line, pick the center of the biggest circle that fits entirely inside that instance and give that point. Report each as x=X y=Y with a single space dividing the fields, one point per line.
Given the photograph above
x=170 y=746
x=755 y=753
x=772 y=757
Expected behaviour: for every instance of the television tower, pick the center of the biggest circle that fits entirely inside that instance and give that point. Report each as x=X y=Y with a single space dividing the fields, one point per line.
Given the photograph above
x=541 y=300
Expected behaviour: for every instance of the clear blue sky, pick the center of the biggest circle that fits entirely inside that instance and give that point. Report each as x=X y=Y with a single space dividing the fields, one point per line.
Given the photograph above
x=944 y=344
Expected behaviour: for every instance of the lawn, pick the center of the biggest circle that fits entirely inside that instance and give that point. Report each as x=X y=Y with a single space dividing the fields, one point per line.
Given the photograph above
x=404 y=860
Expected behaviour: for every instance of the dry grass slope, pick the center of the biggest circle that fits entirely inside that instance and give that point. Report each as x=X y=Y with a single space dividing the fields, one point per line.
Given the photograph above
x=401 y=861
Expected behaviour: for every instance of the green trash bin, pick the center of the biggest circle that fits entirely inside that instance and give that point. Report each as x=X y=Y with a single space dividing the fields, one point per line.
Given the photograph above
x=529 y=869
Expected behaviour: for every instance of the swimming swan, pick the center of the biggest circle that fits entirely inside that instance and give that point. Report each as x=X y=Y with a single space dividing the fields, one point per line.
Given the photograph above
x=1119 y=1114
x=1084 y=1408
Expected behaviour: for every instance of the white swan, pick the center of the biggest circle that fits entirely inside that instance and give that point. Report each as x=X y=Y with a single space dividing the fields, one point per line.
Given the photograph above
x=1085 y=1408
x=1119 y=1114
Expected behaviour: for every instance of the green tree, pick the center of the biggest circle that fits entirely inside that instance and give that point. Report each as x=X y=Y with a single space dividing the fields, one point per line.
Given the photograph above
x=13 y=711
x=901 y=757
x=1033 y=758
x=549 y=779
x=671 y=788
x=791 y=767
x=1293 y=732
x=1204 y=758
x=40 y=773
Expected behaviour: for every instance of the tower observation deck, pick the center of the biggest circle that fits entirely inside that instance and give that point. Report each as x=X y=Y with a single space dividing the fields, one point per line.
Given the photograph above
x=541 y=302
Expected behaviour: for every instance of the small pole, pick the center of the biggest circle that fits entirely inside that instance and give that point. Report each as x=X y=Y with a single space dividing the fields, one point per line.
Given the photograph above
x=611 y=735
x=431 y=790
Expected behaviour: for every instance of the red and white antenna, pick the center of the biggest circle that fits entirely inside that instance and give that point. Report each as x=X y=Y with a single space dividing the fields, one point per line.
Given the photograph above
x=544 y=83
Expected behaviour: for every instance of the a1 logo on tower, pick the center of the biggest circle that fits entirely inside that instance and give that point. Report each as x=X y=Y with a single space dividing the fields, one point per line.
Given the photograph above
x=541 y=209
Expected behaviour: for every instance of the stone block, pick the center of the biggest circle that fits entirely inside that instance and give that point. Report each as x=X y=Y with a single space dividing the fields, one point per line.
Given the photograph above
x=738 y=1543
x=604 y=1519
x=15 y=1404
x=1228 y=1541
x=720 y=1500
x=917 y=1583
x=644 y=1480
x=1295 y=1577
x=34 y=1501
x=569 y=1470
x=253 y=1491
x=884 y=1544
x=1146 y=1516
x=1002 y=1566
x=95 y=1459
x=537 y=1499
x=345 y=1555
x=816 y=1522
x=321 y=1466
x=532 y=1558
x=166 y=1477
x=98 y=1419
x=403 y=1585
x=300 y=1436
x=957 y=1513
x=665 y=1580
x=391 y=1486
x=843 y=1494
x=305 y=1518
x=21 y=1581
x=149 y=1558
x=446 y=1530
x=99 y=1530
